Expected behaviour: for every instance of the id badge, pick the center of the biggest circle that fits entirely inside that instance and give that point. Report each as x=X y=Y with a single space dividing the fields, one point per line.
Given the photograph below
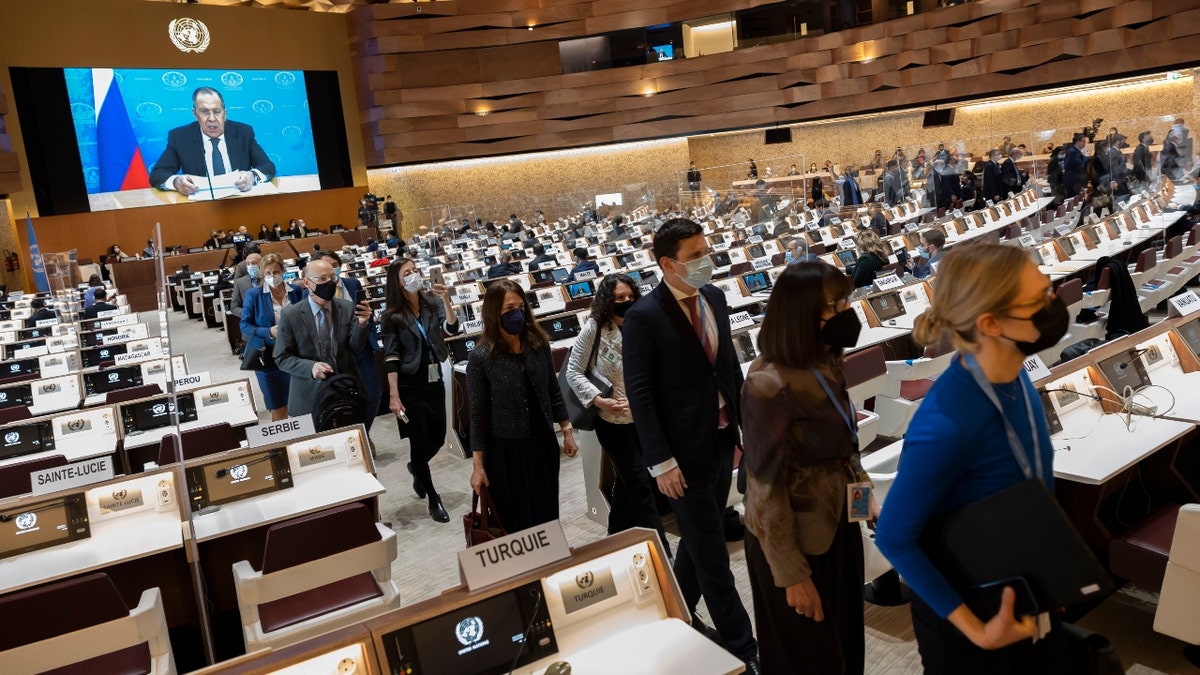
x=858 y=502
x=435 y=372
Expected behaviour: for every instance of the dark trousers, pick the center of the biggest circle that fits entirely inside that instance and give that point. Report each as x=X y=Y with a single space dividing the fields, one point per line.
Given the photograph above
x=633 y=498
x=946 y=651
x=425 y=405
x=702 y=560
x=791 y=643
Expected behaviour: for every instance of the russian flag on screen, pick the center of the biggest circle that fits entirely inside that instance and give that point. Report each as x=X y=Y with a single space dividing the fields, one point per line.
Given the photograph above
x=121 y=164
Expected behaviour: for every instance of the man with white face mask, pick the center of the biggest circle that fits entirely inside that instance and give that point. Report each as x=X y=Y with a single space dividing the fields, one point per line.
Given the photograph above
x=683 y=383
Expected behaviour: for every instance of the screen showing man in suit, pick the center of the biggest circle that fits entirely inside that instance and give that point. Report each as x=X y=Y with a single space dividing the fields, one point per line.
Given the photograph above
x=149 y=137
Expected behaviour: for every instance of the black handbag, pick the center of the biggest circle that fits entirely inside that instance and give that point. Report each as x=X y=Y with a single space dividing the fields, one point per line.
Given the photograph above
x=583 y=415
x=256 y=358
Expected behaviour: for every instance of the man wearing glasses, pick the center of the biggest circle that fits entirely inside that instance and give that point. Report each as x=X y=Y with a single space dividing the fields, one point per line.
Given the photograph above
x=318 y=336
x=211 y=147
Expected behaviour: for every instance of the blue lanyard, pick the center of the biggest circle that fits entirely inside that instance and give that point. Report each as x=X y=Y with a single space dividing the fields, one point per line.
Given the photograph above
x=851 y=424
x=1014 y=442
x=428 y=344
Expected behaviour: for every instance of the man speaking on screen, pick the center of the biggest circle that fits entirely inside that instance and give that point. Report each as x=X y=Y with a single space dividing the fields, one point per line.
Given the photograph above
x=211 y=146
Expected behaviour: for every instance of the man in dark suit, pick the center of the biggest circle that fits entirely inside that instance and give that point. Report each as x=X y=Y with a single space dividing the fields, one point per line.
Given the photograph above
x=1010 y=175
x=348 y=289
x=318 y=336
x=1141 y=157
x=683 y=383
x=851 y=193
x=893 y=184
x=245 y=277
x=582 y=264
x=1075 y=166
x=40 y=312
x=540 y=256
x=209 y=147
x=504 y=267
x=993 y=178
x=100 y=305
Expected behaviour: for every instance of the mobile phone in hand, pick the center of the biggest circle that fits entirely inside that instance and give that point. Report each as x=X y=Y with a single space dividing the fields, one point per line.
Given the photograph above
x=360 y=296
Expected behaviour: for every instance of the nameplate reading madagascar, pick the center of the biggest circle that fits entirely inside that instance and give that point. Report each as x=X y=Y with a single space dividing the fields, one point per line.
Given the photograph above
x=283 y=430
x=133 y=357
x=71 y=475
x=507 y=557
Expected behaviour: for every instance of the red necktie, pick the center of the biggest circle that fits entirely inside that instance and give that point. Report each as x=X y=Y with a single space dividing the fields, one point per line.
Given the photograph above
x=702 y=334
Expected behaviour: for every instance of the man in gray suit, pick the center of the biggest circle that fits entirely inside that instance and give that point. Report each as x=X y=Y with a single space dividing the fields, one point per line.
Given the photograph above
x=893 y=186
x=244 y=282
x=318 y=337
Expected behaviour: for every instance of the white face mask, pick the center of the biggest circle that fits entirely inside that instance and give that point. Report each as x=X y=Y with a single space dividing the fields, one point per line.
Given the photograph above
x=273 y=280
x=412 y=282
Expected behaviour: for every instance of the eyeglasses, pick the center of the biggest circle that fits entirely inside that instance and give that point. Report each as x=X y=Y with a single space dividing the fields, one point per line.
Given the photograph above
x=320 y=280
x=205 y=112
x=1039 y=303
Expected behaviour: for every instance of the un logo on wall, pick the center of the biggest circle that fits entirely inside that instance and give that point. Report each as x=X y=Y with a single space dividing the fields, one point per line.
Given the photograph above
x=231 y=79
x=188 y=35
x=174 y=79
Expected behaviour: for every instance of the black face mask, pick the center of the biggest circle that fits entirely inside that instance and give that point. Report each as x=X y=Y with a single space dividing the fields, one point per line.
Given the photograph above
x=1051 y=321
x=326 y=291
x=841 y=330
x=619 y=308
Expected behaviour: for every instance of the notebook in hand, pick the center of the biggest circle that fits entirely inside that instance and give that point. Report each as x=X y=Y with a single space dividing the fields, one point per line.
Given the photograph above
x=1018 y=532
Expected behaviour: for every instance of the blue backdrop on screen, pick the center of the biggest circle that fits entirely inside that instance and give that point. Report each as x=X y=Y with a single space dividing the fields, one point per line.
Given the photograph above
x=274 y=102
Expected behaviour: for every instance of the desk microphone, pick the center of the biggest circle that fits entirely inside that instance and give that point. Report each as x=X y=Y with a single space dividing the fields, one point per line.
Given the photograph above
x=6 y=517
x=221 y=473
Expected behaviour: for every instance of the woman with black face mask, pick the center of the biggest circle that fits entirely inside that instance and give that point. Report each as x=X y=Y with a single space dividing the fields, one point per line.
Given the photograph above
x=980 y=430
x=803 y=543
x=598 y=348
x=515 y=400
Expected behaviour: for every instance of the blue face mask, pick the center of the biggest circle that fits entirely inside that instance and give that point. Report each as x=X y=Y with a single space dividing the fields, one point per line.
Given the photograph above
x=252 y=270
x=787 y=257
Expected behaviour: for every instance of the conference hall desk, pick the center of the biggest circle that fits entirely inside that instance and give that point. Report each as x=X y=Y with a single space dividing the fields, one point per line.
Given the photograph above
x=1104 y=457
x=126 y=199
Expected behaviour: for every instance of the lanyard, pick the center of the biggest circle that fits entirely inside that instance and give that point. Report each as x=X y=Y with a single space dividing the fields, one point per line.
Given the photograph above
x=851 y=424
x=1014 y=442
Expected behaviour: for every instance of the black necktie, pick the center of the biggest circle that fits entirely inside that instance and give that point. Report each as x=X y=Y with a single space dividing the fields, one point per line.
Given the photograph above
x=218 y=161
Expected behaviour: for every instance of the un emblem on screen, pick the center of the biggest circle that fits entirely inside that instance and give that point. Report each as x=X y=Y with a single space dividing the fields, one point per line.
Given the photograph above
x=239 y=472
x=469 y=630
x=11 y=437
x=159 y=408
x=113 y=377
x=285 y=79
x=26 y=521
x=188 y=35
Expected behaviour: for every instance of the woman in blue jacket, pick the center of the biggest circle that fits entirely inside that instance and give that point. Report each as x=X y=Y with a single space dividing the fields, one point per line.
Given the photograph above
x=260 y=315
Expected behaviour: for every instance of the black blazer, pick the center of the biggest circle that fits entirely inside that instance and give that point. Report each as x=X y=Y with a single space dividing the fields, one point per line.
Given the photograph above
x=1010 y=176
x=185 y=151
x=1141 y=163
x=993 y=182
x=851 y=194
x=404 y=346
x=671 y=386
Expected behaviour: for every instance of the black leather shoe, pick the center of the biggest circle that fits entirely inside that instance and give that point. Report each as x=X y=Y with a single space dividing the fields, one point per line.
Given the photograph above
x=417 y=487
x=752 y=667
x=437 y=511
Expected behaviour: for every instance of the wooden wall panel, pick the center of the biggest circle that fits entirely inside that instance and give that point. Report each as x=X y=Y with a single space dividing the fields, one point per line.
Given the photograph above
x=940 y=56
x=10 y=165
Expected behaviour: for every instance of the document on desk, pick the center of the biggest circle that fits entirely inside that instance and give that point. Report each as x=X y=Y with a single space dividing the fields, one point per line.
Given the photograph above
x=223 y=187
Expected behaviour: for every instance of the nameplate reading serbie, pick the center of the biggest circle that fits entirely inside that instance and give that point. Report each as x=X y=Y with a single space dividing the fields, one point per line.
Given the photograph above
x=283 y=430
x=1036 y=368
x=1184 y=304
x=71 y=475
x=513 y=555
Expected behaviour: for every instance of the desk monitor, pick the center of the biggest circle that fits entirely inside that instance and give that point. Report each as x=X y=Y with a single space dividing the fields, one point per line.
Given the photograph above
x=756 y=281
x=96 y=338
x=560 y=275
x=489 y=260
x=21 y=394
x=32 y=527
x=16 y=371
x=610 y=248
x=104 y=381
x=626 y=260
x=846 y=257
x=26 y=439
x=472 y=274
x=12 y=349
x=1190 y=332
x=28 y=334
x=721 y=259
x=531 y=297
x=153 y=414
x=377 y=291
x=1093 y=235
x=543 y=276
x=635 y=242
x=1067 y=246
x=487 y=637
x=563 y=328
x=232 y=480
x=460 y=349
x=1125 y=370
x=97 y=355
x=756 y=251
x=886 y=306
x=648 y=277
x=580 y=289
